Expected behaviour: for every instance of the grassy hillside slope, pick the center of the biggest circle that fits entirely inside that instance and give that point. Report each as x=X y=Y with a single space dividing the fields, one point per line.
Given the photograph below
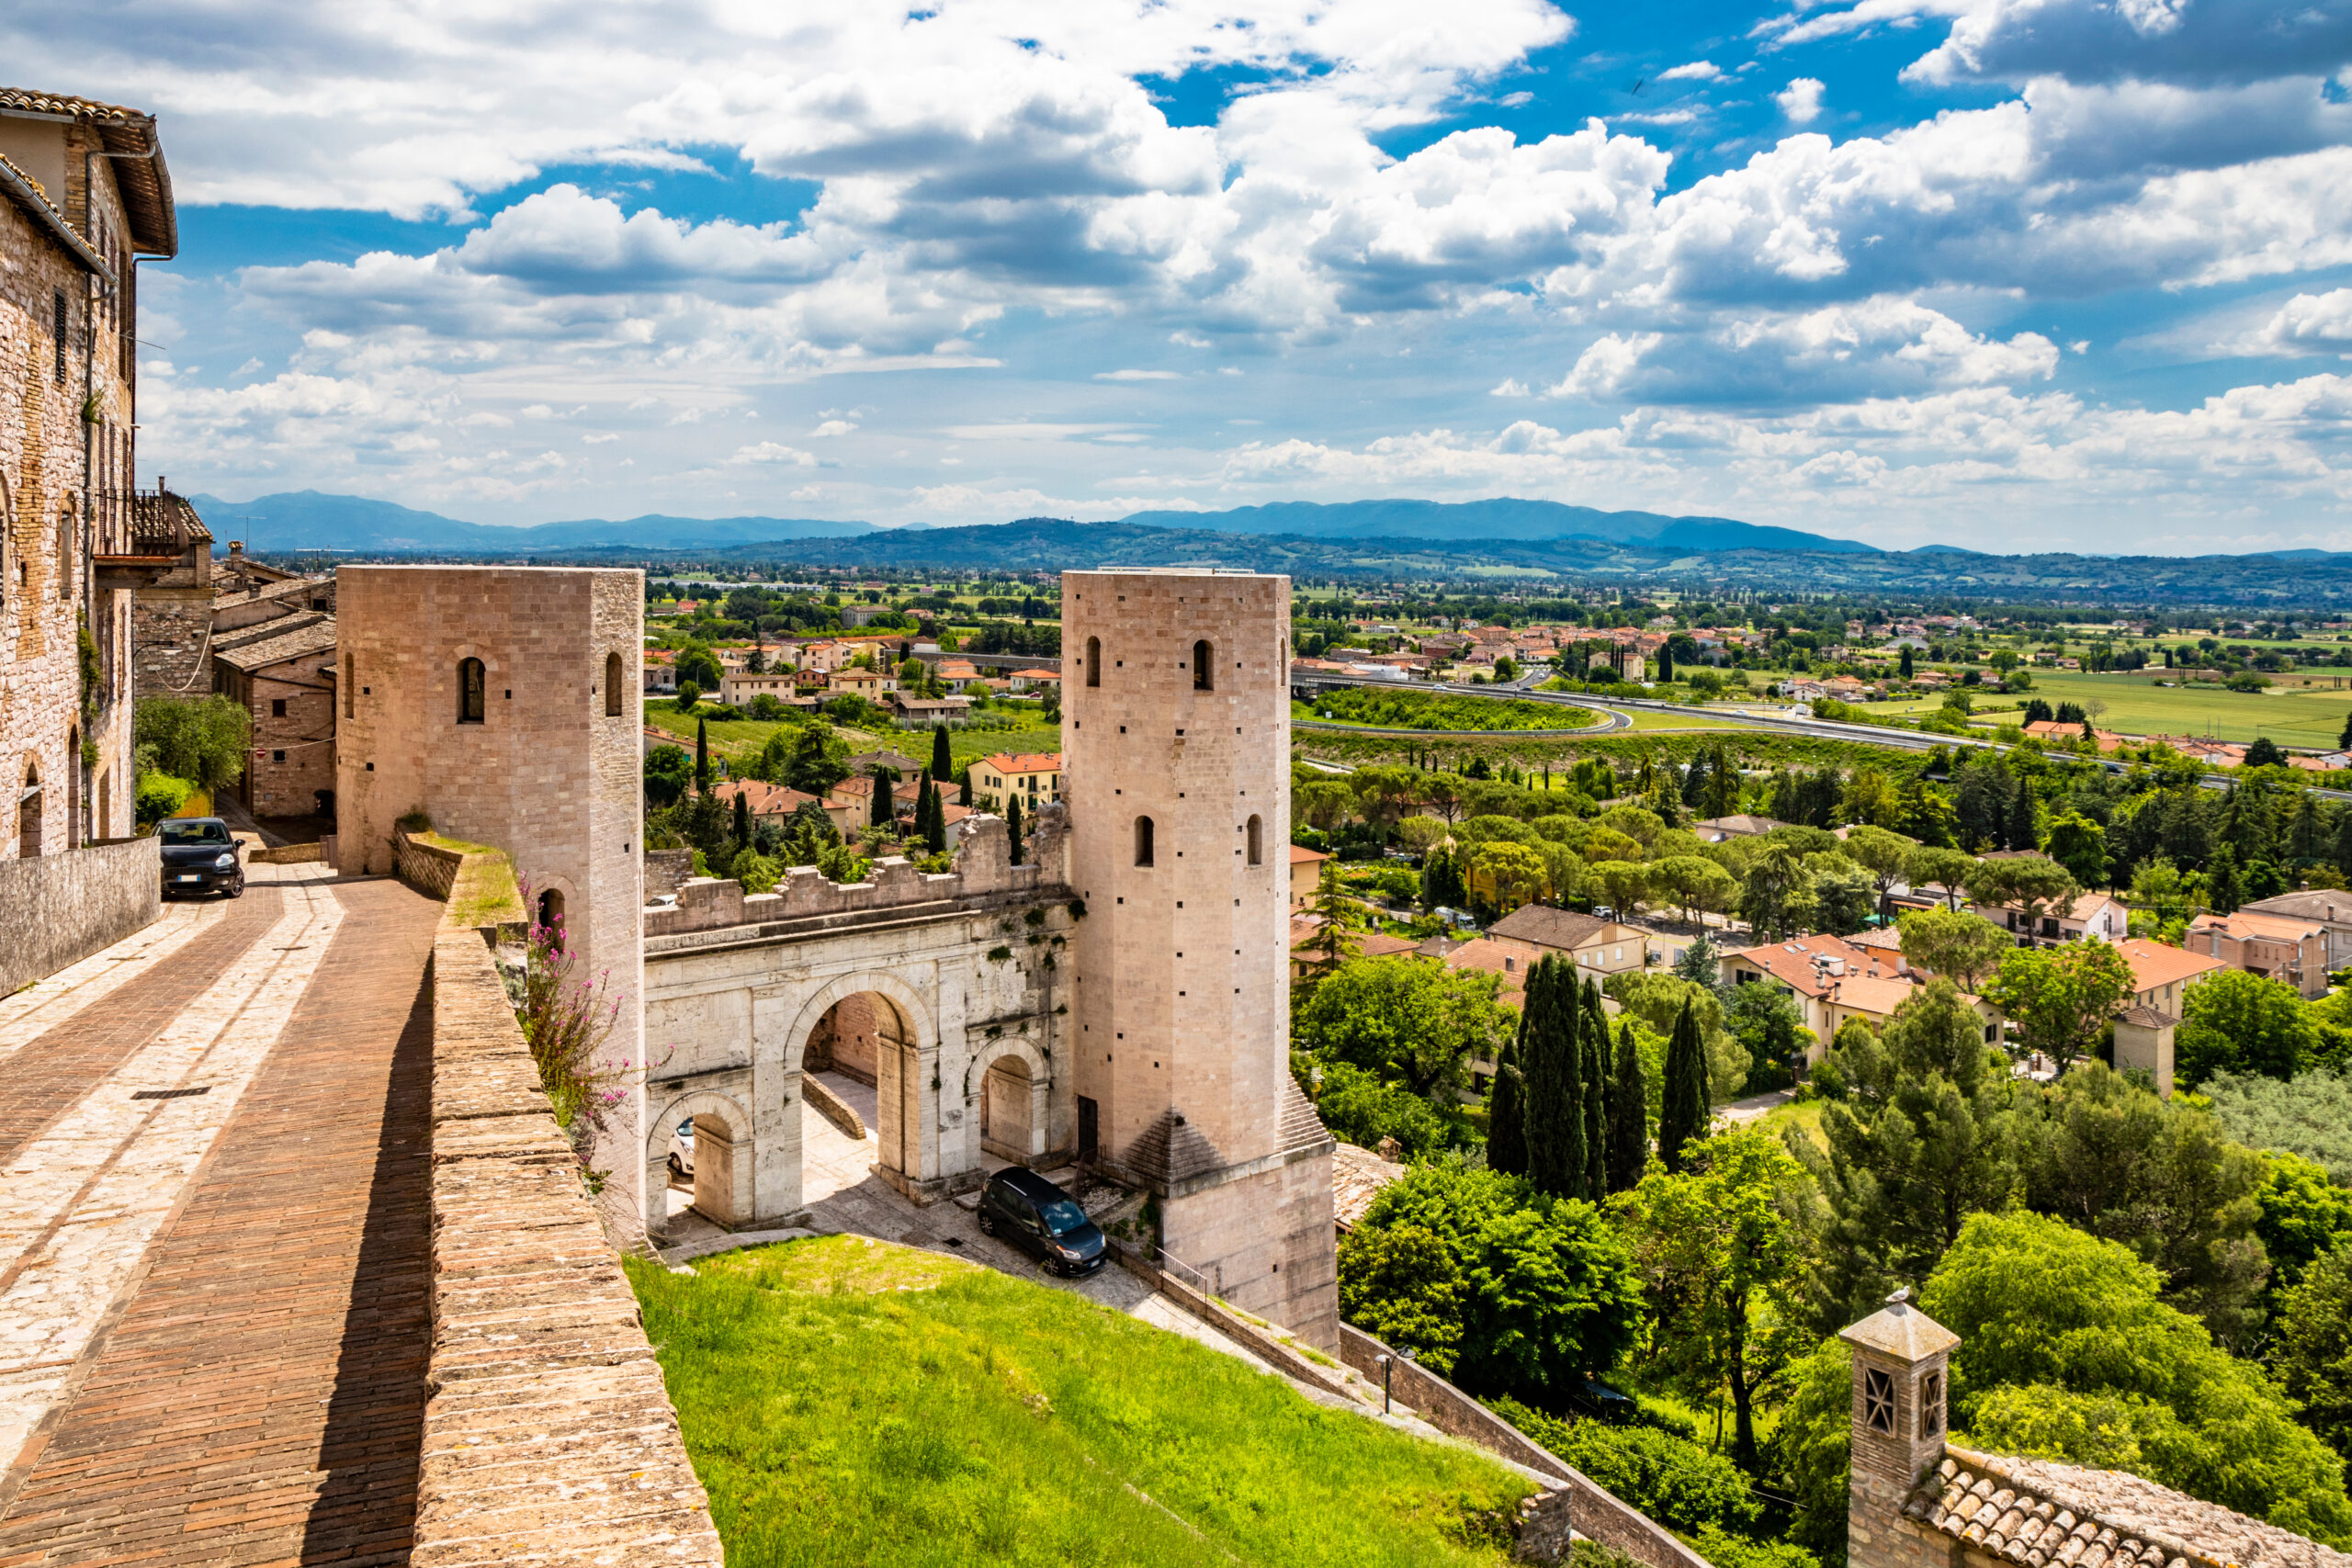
x=851 y=1401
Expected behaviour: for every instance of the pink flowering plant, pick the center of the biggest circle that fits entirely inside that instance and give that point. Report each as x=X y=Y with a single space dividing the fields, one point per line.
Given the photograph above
x=565 y=1020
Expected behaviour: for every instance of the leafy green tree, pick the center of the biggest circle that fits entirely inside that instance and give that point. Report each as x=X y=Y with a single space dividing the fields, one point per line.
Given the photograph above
x=2110 y=1159
x=1667 y=1478
x=2080 y=845
x=1338 y=915
x=668 y=771
x=808 y=757
x=1941 y=866
x=1811 y=1448
x=1543 y=1292
x=2066 y=1351
x=1556 y=1153
x=1405 y=1019
x=2031 y=884
x=2061 y=998
x=2314 y=1356
x=2223 y=889
x=1361 y=1109
x=202 y=739
x=2231 y=1020
x=1926 y=1136
x=1506 y=1114
x=1657 y=998
x=2311 y=1116
x=1840 y=896
x=1886 y=856
x=1684 y=1113
x=1701 y=962
x=1959 y=947
x=1768 y=899
x=1724 y=1253
x=2303 y=1214
x=696 y=664
x=1628 y=1122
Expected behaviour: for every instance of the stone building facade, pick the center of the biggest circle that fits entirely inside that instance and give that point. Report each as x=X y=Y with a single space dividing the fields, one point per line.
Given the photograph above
x=283 y=674
x=504 y=703
x=170 y=615
x=1176 y=751
x=84 y=191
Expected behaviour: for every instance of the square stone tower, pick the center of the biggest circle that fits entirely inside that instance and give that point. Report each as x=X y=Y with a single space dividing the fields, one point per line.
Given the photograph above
x=504 y=702
x=1902 y=1378
x=1176 y=742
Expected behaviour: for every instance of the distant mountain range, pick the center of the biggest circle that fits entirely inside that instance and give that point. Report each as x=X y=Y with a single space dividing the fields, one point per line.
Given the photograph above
x=310 y=520
x=1490 y=540
x=1443 y=521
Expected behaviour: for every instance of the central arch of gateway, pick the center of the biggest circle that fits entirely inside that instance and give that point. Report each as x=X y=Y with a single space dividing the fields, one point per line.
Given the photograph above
x=944 y=992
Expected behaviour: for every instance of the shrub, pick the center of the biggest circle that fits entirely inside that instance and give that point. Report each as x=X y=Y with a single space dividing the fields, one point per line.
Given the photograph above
x=2311 y=1116
x=204 y=740
x=161 y=795
x=1670 y=1479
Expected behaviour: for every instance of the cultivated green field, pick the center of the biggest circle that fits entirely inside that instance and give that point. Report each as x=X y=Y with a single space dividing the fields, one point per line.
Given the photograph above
x=745 y=737
x=847 y=1400
x=2291 y=715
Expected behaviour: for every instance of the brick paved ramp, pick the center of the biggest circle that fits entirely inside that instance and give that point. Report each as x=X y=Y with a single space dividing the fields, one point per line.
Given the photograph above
x=213 y=1306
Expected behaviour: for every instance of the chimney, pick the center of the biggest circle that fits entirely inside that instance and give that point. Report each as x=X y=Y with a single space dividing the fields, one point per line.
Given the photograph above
x=1901 y=1373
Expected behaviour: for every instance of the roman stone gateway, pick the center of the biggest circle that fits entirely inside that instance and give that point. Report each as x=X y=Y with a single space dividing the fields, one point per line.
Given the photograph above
x=948 y=993
x=1176 y=767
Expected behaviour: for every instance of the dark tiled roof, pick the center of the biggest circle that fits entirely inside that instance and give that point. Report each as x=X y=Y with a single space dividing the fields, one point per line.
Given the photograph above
x=163 y=519
x=141 y=173
x=2145 y=1018
x=1547 y=927
x=2059 y=1516
x=280 y=641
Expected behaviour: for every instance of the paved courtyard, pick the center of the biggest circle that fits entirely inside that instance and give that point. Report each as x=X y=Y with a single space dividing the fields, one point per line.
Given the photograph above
x=213 y=1235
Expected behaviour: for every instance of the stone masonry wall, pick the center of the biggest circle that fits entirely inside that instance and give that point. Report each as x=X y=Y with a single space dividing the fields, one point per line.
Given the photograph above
x=171 y=641
x=61 y=909
x=549 y=1439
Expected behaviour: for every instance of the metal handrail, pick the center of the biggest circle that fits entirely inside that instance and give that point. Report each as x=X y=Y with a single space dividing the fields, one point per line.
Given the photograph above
x=1206 y=1286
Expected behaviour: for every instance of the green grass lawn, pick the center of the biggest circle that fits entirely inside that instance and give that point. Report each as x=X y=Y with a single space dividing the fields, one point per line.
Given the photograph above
x=2312 y=717
x=1805 y=1115
x=851 y=1401
x=745 y=737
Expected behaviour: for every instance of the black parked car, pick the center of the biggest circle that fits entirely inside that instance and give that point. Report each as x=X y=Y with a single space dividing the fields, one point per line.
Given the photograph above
x=200 y=857
x=1041 y=1219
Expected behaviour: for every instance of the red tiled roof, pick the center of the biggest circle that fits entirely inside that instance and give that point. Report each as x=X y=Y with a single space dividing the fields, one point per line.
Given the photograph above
x=1025 y=762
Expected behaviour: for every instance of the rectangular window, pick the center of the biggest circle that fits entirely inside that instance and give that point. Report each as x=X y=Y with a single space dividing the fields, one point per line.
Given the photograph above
x=277 y=707
x=278 y=756
x=1878 y=1401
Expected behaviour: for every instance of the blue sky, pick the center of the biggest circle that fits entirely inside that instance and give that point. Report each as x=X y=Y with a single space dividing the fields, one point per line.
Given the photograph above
x=2011 y=273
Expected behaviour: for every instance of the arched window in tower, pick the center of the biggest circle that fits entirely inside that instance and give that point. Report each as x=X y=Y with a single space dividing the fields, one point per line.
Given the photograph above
x=1143 y=841
x=1204 y=656
x=612 y=685
x=469 y=690
x=1094 y=661
x=1257 y=841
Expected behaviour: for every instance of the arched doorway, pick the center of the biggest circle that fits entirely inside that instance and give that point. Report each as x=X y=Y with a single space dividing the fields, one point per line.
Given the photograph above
x=702 y=1141
x=865 y=1050
x=551 y=916
x=29 y=815
x=1012 y=1106
x=854 y=1034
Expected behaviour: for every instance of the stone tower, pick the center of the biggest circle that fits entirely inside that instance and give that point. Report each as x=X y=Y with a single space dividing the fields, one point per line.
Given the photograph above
x=504 y=702
x=1176 y=735
x=1901 y=1379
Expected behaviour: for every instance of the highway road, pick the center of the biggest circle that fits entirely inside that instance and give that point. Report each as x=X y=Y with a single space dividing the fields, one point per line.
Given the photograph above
x=1817 y=729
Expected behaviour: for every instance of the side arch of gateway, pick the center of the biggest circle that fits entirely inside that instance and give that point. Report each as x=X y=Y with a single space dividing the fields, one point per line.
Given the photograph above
x=944 y=992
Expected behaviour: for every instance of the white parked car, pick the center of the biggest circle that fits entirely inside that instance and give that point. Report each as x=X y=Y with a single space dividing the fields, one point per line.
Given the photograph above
x=682 y=1150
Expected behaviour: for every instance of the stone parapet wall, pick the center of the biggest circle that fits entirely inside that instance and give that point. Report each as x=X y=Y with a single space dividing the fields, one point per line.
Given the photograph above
x=428 y=868
x=60 y=908
x=1594 y=1511
x=549 y=1439
x=983 y=864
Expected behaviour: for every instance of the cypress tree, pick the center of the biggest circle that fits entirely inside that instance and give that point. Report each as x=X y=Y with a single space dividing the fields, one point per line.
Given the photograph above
x=881 y=816
x=935 y=828
x=942 y=767
x=1506 y=1115
x=2022 y=834
x=1682 y=1113
x=1012 y=826
x=1596 y=1114
x=964 y=789
x=702 y=757
x=1555 y=1091
x=1629 y=1131
x=743 y=817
